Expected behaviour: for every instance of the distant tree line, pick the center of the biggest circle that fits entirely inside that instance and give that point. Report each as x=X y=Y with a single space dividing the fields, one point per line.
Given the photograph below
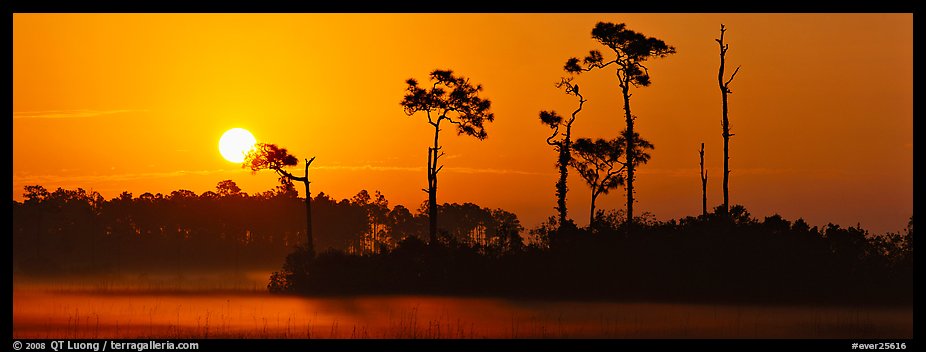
x=74 y=231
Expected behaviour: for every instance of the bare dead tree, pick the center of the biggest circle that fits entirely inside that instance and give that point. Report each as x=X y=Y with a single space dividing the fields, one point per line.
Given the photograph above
x=703 y=184
x=725 y=123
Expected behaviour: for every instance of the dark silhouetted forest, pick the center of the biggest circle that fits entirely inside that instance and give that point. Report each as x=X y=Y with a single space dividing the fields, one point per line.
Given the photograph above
x=703 y=259
x=368 y=247
x=66 y=232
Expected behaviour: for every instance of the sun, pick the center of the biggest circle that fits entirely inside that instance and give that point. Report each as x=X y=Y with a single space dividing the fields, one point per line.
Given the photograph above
x=235 y=144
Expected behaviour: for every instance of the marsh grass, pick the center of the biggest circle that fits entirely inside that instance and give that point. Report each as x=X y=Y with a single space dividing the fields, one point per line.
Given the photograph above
x=109 y=309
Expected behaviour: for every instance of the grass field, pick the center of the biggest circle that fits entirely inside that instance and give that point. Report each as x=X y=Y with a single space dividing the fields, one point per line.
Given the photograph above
x=194 y=308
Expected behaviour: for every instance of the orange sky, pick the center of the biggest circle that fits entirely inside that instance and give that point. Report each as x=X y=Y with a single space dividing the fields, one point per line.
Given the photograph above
x=822 y=108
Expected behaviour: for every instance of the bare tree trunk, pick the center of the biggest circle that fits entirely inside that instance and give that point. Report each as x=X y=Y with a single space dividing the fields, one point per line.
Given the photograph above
x=565 y=155
x=703 y=184
x=309 y=244
x=432 y=187
x=625 y=86
x=725 y=123
x=591 y=215
x=726 y=156
x=561 y=186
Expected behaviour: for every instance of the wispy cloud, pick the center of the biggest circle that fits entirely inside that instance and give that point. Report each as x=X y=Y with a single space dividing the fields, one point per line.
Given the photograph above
x=43 y=179
x=67 y=114
x=367 y=167
x=31 y=179
x=679 y=172
x=688 y=172
x=469 y=170
x=461 y=170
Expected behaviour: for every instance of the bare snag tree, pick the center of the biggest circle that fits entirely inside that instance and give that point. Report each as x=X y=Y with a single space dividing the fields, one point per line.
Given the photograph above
x=271 y=157
x=703 y=184
x=454 y=100
x=632 y=50
x=725 y=123
x=562 y=142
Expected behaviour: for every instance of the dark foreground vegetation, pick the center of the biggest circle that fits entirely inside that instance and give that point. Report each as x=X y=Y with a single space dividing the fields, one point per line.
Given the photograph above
x=705 y=259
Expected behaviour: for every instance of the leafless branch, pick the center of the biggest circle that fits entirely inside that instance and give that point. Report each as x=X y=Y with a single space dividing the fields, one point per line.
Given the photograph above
x=725 y=85
x=550 y=138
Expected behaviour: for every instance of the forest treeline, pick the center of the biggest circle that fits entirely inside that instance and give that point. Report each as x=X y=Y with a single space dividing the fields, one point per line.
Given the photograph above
x=707 y=259
x=66 y=232
x=367 y=246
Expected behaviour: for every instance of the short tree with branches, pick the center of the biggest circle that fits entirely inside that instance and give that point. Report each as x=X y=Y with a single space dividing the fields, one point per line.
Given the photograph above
x=562 y=142
x=272 y=157
x=632 y=50
x=454 y=100
x=598 y=162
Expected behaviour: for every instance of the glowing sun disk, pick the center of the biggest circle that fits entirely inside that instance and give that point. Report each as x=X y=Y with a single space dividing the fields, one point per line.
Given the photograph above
x=235 y=144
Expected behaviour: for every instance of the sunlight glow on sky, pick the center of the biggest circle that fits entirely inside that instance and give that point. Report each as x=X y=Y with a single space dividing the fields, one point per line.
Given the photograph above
x=822 y=108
